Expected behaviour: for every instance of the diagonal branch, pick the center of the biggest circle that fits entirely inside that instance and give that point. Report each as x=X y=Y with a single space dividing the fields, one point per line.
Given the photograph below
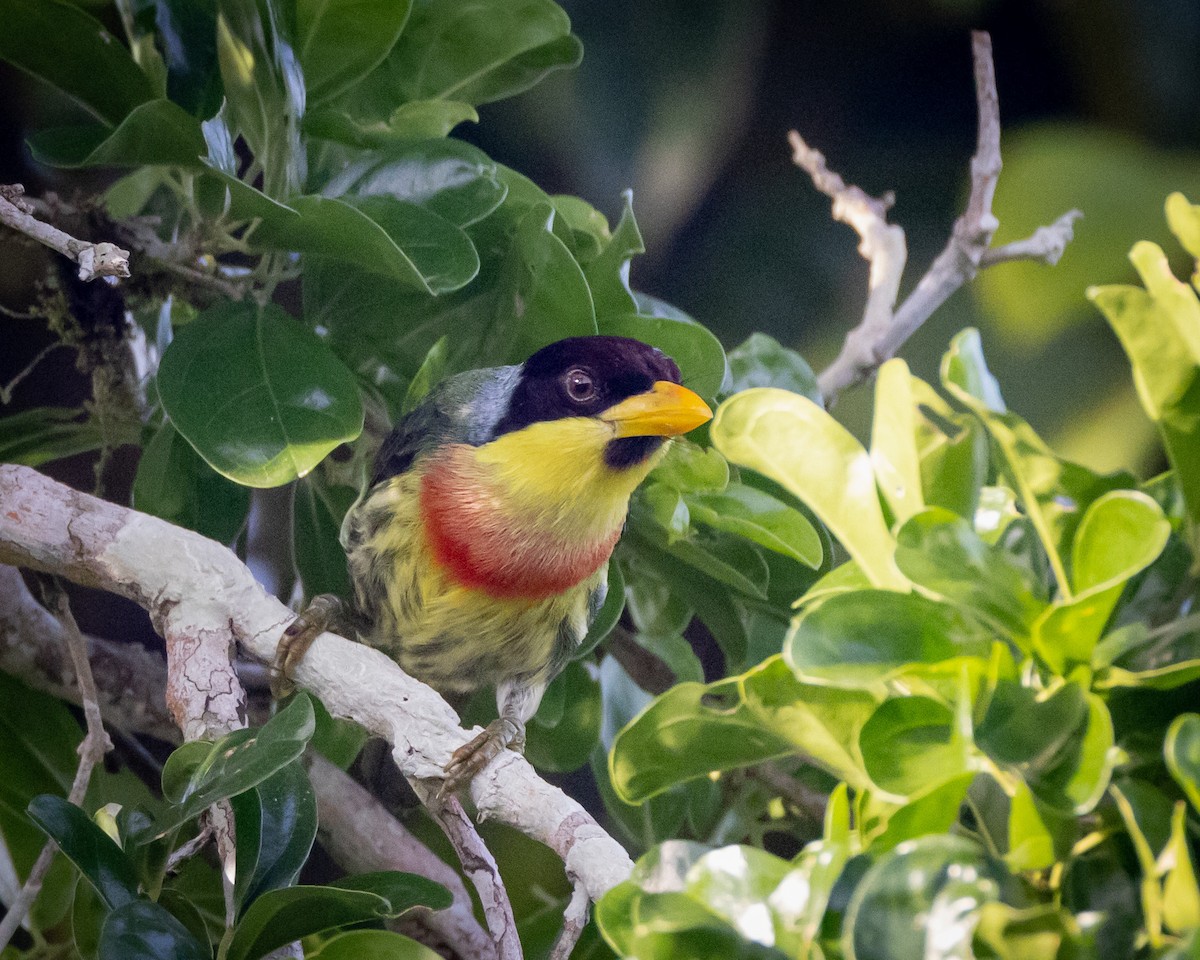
x=191 y=585
x=94 y=259
x=883 y=330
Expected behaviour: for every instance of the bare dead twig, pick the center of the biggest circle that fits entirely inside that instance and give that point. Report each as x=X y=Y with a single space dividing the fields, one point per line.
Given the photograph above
x=574 y=920
x=95 y=259
x=883 y=330
x=91 y=751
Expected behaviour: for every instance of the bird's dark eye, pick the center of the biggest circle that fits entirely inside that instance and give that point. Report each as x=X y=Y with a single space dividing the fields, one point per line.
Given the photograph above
x=580 y=386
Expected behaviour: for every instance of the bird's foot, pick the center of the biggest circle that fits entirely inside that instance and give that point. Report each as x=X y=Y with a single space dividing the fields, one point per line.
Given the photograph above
x=472 y=757
x=322 y=613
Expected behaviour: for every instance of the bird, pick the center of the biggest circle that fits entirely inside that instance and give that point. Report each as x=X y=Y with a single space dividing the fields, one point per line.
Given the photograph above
x=479 y=549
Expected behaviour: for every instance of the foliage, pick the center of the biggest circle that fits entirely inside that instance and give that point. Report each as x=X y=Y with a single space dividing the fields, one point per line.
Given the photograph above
x=976 y=654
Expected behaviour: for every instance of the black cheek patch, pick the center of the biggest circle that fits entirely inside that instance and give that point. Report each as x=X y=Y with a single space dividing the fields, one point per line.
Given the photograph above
x=627 y=452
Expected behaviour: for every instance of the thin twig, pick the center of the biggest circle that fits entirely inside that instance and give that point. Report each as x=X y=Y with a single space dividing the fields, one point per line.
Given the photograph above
x=189 y=849
x=91 y=751
x=94 y=259
x=882 y=332
x=480 y=867
x=574 y=920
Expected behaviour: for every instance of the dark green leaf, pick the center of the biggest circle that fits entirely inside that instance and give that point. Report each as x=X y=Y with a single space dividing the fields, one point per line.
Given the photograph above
x=761 y=361
x=567 y=742
x=695 y=729
x=174 y=483
x=934 y=812
x=401 y=890
x=372 y=945
x=141 y=930
x=92 y=850
x=759 y=517
x=72 y=51
x=417 y=120
x=608 y=272
x=340 y=42
x=37 y=436
x=607 y=616
x=318 y=510
x=156 y=133
x=699 y=354
x=188 y=29
x=276 y=825
x=432 y=369
x=476 y=51
x=912 y=744
x=257 y=395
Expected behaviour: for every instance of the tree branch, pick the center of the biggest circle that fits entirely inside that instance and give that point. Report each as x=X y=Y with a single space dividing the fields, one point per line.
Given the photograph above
x=94 y=259
x=883 y=330
x=195 y=588
x=91 y=751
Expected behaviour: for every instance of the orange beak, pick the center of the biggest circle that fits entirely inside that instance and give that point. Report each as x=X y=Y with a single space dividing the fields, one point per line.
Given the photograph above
x=666 y=410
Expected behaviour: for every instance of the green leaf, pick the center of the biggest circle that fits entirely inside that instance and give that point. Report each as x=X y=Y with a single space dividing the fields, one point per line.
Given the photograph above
x=174 y=483
x=608 y=272
x=281 y=916
x=260 y=398
x=934 y=812
x=197 y=777
x=567 y=743
x=1159 y=327
x=42 y=434
x=276 y=825
x=759 y=517
x=543 y=295
x=945 y=880
x=894 y=453
x=478 y=50
x=912 y=744
x=1054 y=492
x=417 y=120
x=860 y=638
x=372 y=945
x=793 y=441
x=188 y=29
x=728 y=560
x=1121 y=534
x=1181 y=893
x=72 y=51
x=156 y=133
x=1030 y=839
x=318 y=510
x=340 y=41
x=760 y=361
x=689 y=467
x=93 y=851
x=940 y=551
x=142 y=930
x=695 y=729
x=1182 y=751
x=699 y=354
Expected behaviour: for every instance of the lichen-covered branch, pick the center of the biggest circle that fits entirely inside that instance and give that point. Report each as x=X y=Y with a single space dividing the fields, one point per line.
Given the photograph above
x=94 y=259
x=196 y=588
x=883 y=330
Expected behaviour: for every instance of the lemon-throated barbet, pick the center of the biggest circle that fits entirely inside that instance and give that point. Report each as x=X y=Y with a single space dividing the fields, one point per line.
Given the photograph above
x=479 y=550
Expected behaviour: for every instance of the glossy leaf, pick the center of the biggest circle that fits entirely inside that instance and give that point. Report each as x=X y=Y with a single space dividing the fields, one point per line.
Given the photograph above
x=340 y=42
x=1182 y=751
x=797 y=444
x=912 y=744
x=1158 y=327
x=188 y=29
x=280 y=916
x=759 y=517
x=155 y=133
x=699 y=354
x=934 y=812
x=142 y=930
x=93 y=851
x=941 y=552
x=276 y=825
x=761 y=361
x=859 y=638
x=372 y=945
x=567 y=742
x=608 y=272
x=72 y=51
x=946 y=880
x=236 y=361
x=174 y=483
x=695 y=729
x=894 y=453
x=196 y=777
x=543 y=295
x=478 y=51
